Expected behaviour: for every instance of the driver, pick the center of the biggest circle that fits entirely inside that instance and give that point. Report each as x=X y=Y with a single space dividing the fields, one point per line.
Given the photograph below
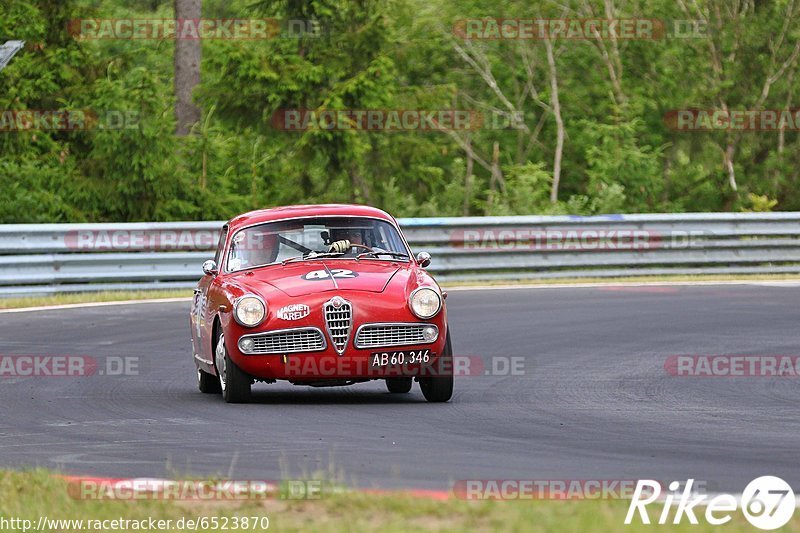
x=253 y=248
x=343 y=239
x=351 y=241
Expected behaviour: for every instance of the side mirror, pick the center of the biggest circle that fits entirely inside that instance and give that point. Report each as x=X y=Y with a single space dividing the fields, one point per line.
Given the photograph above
x=210 y=267
x=424 y=259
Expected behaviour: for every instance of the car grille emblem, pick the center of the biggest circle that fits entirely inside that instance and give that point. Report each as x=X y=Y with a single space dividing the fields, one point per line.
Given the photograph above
x=339 y=322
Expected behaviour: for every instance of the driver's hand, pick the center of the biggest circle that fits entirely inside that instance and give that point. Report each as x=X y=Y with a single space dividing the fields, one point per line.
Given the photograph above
x=340 y=246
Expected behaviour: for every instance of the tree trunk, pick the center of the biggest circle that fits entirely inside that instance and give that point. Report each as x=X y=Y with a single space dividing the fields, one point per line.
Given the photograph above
x=187 y=68
x=496 y=178
x=727 y=160
x=468 y=178
x=556 y=105
x=359 y=185
x=782 y=137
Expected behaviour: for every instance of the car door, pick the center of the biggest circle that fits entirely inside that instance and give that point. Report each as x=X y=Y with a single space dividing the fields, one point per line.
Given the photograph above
x=202 y=315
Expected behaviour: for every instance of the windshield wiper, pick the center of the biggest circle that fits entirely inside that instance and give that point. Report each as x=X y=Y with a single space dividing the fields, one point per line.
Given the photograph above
x=376 y=254
x=311 y=255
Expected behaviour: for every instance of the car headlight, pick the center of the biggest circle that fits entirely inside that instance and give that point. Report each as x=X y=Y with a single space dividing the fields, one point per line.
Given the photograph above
x=250 y=311
x=425 y=302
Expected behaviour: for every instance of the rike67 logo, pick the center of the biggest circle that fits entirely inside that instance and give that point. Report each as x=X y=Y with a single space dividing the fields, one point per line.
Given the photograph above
x=767 y=502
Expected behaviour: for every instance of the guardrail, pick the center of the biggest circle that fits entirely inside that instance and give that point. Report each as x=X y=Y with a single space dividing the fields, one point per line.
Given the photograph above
x=55 y=258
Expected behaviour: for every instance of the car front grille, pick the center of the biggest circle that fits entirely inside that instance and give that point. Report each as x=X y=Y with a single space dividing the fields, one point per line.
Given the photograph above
x=339 y=319
x=383 y=335
x=288 y=341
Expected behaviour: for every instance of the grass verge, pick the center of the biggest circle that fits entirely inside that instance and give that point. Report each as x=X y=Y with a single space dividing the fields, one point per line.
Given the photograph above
x=90 y=297
x=31 y=495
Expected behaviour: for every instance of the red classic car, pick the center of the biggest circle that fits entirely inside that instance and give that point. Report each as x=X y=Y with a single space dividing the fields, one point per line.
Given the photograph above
x=319 y=295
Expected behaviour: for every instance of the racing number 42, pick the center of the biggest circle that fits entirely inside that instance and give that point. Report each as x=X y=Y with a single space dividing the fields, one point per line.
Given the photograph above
x=338 y=273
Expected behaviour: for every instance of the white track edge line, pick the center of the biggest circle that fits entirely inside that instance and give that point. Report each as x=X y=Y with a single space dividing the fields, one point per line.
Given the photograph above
x=775 y=283
x=95 y=304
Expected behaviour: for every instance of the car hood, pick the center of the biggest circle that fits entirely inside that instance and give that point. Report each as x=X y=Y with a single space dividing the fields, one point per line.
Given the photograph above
x=300 y=279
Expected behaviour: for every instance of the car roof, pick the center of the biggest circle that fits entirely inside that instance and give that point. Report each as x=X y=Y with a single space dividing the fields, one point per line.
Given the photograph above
x=304 y=211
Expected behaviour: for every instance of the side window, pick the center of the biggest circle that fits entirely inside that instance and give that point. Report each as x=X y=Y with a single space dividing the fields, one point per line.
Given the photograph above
x=223 y=235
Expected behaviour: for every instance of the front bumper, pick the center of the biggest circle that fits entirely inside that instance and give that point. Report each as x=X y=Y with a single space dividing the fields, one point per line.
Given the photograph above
x=326 y=356
x=355 y=363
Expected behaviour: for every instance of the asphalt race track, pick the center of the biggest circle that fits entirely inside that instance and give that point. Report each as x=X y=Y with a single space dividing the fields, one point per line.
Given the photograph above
x=594 y=401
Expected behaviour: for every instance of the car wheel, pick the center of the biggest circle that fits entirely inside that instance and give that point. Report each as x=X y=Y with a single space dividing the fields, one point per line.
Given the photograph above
x=234 y=383
x=440 y=389
x=399 y=385
x=207 y=383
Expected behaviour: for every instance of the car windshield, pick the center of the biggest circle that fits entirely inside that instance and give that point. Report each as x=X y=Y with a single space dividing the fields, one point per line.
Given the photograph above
x=307 y=238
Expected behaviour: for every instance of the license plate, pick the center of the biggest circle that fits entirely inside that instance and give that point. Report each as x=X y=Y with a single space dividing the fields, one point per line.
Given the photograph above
x=400 y=358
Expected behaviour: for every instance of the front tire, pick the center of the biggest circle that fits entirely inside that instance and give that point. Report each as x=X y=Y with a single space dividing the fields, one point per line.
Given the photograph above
x=440 y=389
x=399 y=385
x=234 y=383
x=207 y=383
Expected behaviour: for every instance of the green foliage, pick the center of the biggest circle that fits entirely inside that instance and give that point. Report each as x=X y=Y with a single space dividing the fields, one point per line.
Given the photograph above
x=759 y=203
x=527 y=190
x=621 y=173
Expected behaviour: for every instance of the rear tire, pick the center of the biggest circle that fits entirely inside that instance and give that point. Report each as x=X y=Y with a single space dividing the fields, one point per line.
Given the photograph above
x=399 y=385
x=207 y=383
x=234 y=383
x=440 y=389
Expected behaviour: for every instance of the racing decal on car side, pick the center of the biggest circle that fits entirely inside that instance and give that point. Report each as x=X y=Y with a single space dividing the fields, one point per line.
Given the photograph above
x=293 y=312
x=338 y=273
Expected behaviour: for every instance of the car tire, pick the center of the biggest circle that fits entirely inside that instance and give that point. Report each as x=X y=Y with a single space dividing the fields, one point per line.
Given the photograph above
x=399 y=385
x=207 y=383
x=234 y=383
x=440 y=389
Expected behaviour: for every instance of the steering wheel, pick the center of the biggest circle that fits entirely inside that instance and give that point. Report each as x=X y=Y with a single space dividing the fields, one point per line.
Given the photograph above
x=345 y=245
